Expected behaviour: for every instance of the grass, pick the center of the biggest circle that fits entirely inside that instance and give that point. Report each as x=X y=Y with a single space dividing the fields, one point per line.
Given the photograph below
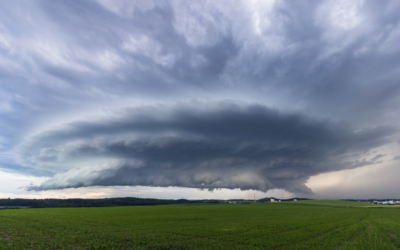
x=285 y=225
x=335 y=203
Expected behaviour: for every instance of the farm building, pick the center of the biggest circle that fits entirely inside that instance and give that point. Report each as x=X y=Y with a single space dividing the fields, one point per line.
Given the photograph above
x=387 y=202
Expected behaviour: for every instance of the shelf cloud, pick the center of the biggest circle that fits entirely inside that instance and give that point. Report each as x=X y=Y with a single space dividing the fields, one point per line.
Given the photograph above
x=209 y=94
x=219 y=145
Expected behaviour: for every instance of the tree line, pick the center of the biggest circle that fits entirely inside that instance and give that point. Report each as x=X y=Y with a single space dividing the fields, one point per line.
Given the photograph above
x=106 y=202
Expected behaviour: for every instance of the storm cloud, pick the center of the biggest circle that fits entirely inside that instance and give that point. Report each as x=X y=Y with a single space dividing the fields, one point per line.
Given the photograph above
x=220 y=145
x=208 y=94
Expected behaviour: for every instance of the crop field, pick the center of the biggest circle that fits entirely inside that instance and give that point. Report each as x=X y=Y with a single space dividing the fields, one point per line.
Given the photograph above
x=289 y=225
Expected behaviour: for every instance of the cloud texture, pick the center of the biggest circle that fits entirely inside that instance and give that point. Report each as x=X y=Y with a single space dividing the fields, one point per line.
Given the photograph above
x=224 y=145
x=206 y=94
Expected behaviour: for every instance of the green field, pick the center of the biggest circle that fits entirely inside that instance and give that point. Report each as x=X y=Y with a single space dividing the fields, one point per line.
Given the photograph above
x=288 y=225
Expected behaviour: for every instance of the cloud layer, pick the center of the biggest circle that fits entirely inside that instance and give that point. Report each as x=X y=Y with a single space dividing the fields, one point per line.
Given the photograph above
x=205 y=94
x=220 y=145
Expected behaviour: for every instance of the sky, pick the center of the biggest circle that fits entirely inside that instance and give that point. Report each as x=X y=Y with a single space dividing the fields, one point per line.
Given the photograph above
x=199 y=99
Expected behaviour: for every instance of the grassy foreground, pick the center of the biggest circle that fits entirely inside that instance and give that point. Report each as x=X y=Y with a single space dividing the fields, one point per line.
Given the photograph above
x=291 y=225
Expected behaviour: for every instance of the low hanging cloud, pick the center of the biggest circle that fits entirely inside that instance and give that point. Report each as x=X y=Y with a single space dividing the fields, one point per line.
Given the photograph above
x=332 y=60
x=198 y=145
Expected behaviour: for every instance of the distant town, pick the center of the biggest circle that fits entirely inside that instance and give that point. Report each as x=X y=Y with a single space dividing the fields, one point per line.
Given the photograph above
x=382 y=202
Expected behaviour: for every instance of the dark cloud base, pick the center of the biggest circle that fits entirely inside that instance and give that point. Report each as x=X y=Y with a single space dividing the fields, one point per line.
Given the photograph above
x=333 y=59
x=220 y=145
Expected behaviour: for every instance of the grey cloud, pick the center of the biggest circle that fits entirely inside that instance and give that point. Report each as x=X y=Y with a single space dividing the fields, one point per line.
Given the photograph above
x=85 y=48
x=377 y=157
x=220 y=145
x=307 y=59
